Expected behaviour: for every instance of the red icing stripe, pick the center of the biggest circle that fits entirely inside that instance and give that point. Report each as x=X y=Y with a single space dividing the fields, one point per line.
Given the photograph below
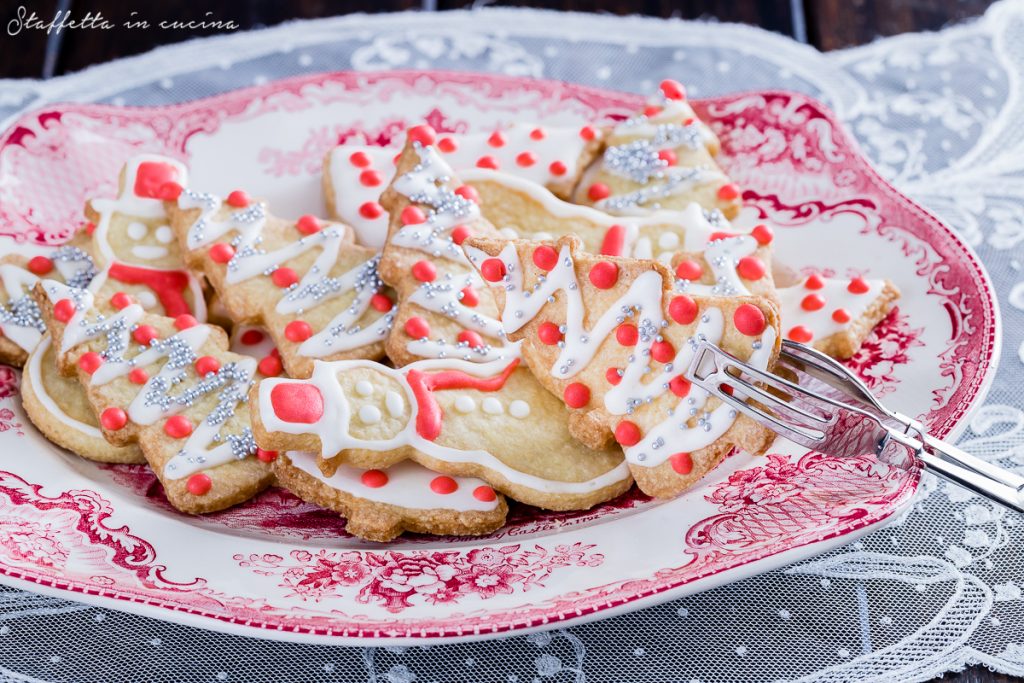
x=430 y=416
x=614 y=241
x=168 y=285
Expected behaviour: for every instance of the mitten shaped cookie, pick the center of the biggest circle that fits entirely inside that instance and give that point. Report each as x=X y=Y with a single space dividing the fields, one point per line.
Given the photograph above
x=305 y=281
x=457 y=418
x=167 y=384
x=706 y=253
x=612 y=337
x=659 y=159
x=553 y=156
x=835 y=315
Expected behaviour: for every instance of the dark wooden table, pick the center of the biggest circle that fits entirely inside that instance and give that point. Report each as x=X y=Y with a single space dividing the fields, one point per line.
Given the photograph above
x=826 y=24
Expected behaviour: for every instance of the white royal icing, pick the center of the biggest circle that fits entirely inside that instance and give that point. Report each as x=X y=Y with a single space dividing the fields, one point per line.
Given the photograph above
x=34 y=369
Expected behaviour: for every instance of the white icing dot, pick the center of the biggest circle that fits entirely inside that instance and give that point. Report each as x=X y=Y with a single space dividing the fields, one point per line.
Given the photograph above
x=519 y=409
x=465 y=404
x=369 y=414
x=668 y=240
x=492 y=406
x=364 y=388
x=164 y=235
x=137 y=230
x=146 y=299
x=394 y=403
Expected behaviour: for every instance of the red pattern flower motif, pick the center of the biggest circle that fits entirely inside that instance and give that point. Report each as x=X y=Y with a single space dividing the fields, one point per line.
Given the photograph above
x=886 y=348
x=398 y=580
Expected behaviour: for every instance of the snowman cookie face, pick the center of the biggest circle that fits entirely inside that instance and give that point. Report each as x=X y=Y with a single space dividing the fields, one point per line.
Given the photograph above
x=149 y=243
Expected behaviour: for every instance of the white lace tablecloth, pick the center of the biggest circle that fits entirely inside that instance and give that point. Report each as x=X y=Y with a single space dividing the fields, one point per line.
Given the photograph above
x=941 y=115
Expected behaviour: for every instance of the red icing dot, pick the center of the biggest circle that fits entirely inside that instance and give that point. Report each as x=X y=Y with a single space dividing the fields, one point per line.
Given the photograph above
x=169 y=192
x=113 y=419
x=668 y=156
x=614 y=241
x=652 y=110
x=90 y=361
x=728 y=192
x=688 y=269
x=413 y=215
x=374 y=479
x=252 y=337
x=371 y=178
x=627 y=334
x=612 y=376
x=199 y=484
x=720 y=235
x=138 y=376
x=814 y=282
x=558 y=168
x=801 y=334
x=680 y=386
x=150 y=176
x=598 y=191
x=749 y=319
x=492 y=269
x=662 y=351
x=238 y=199
x=447 y=145
x=537 y=134
x=813 y=302
x=751 y=268
x=683 y=309
x=177 y=427
x=266 y=456
x=270 y=366
x=121 y=300
x=673 y=90
x=185 y=321
x=90 y=228
x=222 y=252
x=470 y=338
x=64 y=310
x=144 y=334
x=371 y=210
x=298 y=331
x=40 y=265
x=443 y=485
x=604 y=274
x=858 y=285
x=381 y=302
x=468 y=192
x=682 y=463
x=841 y=316
x=763 y=234
x=576 y=395
x=627 y=433
x=284 y=277
x=484 y=494
x=469 y=296
x=460 y=233
x=548 y=333
x=360 y=159
x=545 y=257
x=206 y=365
x=308 y=224
x=588 y=133
x=424 y=271
x=297 y=402
x=487 y=161
x=497 y=139
x=423 y=134
x=417 y=328
x=526 y=159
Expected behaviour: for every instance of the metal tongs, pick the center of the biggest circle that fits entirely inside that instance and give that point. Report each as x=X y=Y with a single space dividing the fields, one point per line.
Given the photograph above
x=816 y=402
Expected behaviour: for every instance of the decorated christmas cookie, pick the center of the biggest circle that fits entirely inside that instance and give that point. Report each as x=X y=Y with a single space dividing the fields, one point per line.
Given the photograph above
x=707 y=255
x=134 y=245
x=659 y=159
x=457 y=418
x=355 y=175
x=20 y=321
x=167 y=384
x=305 y=281
x=611 y=337
x=835 y=315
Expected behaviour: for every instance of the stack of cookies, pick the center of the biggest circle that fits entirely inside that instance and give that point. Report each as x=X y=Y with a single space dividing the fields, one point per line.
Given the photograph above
x=482 y=317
